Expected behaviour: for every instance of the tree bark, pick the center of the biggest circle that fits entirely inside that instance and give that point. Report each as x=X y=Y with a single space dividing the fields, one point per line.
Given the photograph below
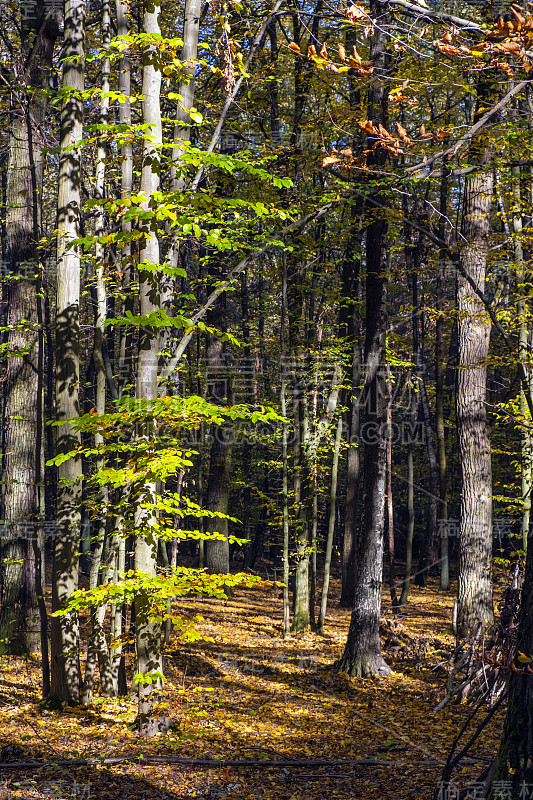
x=331 y=526
x=515 y=762
x=439 y=395
x=362 y=655
x=65 y=667
x=349 y=324
x=147 y=630
x=22 y=401
x=475 y=604
x=218 y=484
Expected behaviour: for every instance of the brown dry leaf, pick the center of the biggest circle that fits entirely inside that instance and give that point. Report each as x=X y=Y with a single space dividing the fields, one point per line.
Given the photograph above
x=294 y=47
x=515 y=11
x=367 y=126
x=510 y=47
x=402 y=133
x=355 y=13
x=342 y=52
x=324 y=51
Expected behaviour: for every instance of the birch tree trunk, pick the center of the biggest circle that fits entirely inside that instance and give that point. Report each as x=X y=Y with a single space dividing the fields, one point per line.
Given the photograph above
x=147 y=631
x=65 y=668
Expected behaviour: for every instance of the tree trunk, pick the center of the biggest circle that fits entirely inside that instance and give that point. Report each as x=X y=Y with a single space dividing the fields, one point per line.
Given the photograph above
x=475 y=604
x=302 y=495
x=390 y=505
x=22 y=435
x=218 y=484
x=147 y=630
x=331 y=526
x=526 y=439
x=349 y=324
x=362 y=655
x=439 y=396
x=65 y=668
x=125 y=369
x=410 y=508
x=515 y=762
x=285 y=478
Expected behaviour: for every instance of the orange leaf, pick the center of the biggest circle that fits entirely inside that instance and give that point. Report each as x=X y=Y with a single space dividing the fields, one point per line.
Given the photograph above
x=355 y=13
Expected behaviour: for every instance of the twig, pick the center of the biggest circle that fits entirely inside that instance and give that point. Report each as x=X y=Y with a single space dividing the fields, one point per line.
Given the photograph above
x=235 y=90
x=240 y=267
x=473 y=130
x=228 y=762
x=415 y=10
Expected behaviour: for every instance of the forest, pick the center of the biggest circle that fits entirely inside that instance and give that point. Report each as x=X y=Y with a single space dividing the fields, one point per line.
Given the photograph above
x=266 y=389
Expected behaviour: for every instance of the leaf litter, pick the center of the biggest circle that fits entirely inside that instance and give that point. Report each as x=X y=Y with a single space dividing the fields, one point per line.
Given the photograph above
x=242 y=693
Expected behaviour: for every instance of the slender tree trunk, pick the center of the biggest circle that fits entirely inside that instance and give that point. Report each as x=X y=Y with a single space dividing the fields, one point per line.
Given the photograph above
x=218 y=484
x=526 y=439
x=362 y=654
x=390 y=505
x=22 y=385
x=429 y=544
x=98 y=649
x=125 y=370
x=410 y=508
x=331 y=526
x=349 y=325
x=65 y=667
x=189 y=53
x=302 y=495
x=147 y=630
x=285 y=478
x=439 y=395
x=218 y=488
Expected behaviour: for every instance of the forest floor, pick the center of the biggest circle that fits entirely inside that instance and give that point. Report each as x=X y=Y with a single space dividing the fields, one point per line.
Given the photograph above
x=248 y=694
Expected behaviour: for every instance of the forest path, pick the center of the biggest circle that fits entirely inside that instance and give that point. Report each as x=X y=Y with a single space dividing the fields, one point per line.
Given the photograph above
x=248 y=694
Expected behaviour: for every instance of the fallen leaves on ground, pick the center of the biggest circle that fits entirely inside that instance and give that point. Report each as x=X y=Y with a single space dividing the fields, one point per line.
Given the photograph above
x=249 y=694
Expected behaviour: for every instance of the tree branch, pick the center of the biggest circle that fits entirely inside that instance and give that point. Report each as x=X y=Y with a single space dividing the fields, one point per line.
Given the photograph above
x=473 y=130
x=235 y=90
x=273 y=242
x=415 y=10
